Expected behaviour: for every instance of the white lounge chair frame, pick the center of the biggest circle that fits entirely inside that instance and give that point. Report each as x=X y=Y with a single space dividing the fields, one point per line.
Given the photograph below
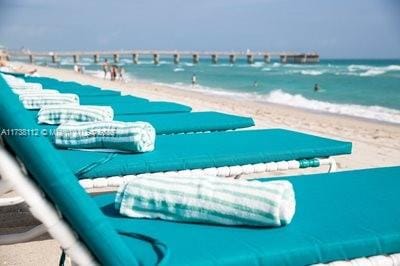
x=226 y=171
x=14 y=177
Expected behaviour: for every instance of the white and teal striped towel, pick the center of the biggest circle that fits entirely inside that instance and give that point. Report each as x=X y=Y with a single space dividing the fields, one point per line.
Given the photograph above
x=18 y=83
x=33 y=91
x=208 y=200
x=59 y=114
x=39 y=100
x=26 y=86
x=124 y=136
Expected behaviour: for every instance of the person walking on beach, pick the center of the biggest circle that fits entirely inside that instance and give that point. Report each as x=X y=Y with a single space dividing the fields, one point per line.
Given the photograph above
x=194 y=79
x=114 y=72
x=106 y=67
x=76 y=68
x=121 y=72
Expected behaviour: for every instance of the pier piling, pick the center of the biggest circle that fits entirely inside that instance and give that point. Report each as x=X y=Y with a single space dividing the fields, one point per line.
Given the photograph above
x=96 y=58
x=76 y=58
x=156 y=58
x=214 y=58
x=232 y=58
x=176 y=59
x=250 y=58
x=283 y=58
x=135 y=58
x=31 y=58
x=53 y=58
x=116 y=58
x=196 y=58
x=267 y=58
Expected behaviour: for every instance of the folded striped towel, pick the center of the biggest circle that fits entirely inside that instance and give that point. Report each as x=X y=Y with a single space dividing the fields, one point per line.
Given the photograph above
x=26 y=86
x=208 y=200
x=124 y=136
x=39 y=100
x=58 y=114
x=33 y=91
x=18 y=83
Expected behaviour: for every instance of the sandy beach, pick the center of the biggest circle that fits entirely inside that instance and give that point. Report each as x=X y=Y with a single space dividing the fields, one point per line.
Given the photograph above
x=374 y=143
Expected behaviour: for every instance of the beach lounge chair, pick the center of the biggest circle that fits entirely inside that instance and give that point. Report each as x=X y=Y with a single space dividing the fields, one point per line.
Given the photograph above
x=190 y=122
x=185 y=122
x=340 y=217
x=120 y=104
x=142 y=108
x=219 y=153
x=126 y=108
x=232 y=153
x=69 y=86
x=105 y=99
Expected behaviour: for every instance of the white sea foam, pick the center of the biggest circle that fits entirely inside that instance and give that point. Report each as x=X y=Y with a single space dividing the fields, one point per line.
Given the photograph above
x=257 y=64
x=372 y=72
x=312 y=72
x=266 y=69
x=145 y=62
x=366 y=70
x=125 y=61
x=298 y=100
x=179 y=69
x=222 y=65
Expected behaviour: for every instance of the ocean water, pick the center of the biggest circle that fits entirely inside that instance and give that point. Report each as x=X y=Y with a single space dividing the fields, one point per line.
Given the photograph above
x=362 y=88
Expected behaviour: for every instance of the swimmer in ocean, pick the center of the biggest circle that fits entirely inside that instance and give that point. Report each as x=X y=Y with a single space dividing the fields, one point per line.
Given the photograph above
x=316 y=87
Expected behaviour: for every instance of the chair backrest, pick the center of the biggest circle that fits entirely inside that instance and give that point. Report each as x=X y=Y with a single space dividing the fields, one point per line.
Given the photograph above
x=40 y=158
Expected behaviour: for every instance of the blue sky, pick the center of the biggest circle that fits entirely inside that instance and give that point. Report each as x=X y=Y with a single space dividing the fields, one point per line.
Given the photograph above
x=334 y=28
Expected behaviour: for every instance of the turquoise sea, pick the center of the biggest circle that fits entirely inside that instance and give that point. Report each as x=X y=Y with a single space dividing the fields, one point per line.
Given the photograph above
x=362 y=88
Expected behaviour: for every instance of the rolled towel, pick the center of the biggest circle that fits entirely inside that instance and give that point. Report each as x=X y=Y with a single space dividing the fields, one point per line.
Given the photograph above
x=39 y=100
x=18 y=83
x=26 y=86
x=124 y=136
x=34 y=91
x=11 y=79
x=208 y=200
x=58 y=114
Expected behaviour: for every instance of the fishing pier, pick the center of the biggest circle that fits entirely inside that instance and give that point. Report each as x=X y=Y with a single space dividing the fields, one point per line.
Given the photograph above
x=135 y=55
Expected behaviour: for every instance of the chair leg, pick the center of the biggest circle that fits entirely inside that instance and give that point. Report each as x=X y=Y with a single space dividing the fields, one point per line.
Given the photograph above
x=330 y=162
x=332 y=165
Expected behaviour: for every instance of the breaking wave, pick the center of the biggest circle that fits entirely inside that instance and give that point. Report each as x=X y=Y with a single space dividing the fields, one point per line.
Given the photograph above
x=298 y=100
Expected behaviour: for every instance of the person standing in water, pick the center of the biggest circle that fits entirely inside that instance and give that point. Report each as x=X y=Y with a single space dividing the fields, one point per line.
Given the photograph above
x=106 y=67
x=194 y=79
x=76 y=68
x=113 y=72
x=121 y=72
x=316 y=87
